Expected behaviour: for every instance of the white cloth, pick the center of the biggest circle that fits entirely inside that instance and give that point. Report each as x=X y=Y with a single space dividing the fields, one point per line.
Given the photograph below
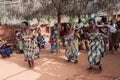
x=80 y=25
x=113 y=28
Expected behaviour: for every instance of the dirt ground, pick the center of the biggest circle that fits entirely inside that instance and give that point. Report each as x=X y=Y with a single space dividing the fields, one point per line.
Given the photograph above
x=55 y=67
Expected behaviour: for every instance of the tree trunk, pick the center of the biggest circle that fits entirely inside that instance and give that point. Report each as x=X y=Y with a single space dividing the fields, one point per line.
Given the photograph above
x=49 y=28
x=79 y=17
x=59 y=27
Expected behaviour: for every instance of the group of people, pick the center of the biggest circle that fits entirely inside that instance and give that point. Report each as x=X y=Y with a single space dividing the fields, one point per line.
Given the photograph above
x=29 y=41
x=97 y=37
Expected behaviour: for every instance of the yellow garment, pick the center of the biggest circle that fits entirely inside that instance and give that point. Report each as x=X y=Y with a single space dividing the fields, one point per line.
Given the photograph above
x=75 y=42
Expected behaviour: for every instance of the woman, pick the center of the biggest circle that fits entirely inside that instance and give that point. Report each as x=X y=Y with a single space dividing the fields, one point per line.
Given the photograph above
x=62 y=36
x=5 y=51
x=29 y=44
x=96 y=47
x=71 y=51
x=53 y=39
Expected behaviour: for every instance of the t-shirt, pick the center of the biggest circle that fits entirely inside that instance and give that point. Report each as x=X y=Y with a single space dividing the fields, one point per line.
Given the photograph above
x=80 y=25
x=113 y=28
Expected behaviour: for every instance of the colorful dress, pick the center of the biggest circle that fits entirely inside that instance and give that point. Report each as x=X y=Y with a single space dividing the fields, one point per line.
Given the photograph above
x=20 y=45
x=5 y=50
x=53 y=40
x=71 y=51
x=30 y=48
x=96 y=48
x=41 y=42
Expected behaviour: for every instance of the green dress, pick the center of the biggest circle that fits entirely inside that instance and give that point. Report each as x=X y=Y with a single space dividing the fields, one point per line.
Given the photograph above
x=20 y=45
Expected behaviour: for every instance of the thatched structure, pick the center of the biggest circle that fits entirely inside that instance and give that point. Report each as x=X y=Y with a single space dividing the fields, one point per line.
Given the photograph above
x=39 y=8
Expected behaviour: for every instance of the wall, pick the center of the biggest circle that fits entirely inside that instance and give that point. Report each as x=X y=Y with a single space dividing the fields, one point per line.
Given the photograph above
x=8 y=32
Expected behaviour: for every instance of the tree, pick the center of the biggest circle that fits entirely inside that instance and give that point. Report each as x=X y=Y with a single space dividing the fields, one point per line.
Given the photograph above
x=49 y=20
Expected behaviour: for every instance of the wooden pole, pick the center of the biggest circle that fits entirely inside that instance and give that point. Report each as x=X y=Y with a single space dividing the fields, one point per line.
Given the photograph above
x=59 y=27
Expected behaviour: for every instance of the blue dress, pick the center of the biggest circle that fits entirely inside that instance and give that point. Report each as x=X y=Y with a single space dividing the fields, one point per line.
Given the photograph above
x=54 y=39
x=96 y=48
x=5 y=50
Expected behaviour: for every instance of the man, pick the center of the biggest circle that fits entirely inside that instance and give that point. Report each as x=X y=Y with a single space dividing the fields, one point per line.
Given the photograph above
x=113 y=35
x=79 y=24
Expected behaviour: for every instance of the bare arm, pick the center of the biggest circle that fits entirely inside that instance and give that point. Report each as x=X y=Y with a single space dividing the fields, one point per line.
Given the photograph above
x=103 y=26
x=1 y=45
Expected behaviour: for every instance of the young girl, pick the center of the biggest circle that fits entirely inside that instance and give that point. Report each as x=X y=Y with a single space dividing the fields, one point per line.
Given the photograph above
x=29 y=48
x=20 y=44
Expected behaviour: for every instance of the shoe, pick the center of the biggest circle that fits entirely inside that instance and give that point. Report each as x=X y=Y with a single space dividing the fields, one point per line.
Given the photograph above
x=52 y=52
x=69 y=60
x=90 y=69
x=100 y=68
x=76 y=61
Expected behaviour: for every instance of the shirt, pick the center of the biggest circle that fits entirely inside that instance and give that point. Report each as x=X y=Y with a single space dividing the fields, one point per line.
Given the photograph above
x=113 y=28
x=80 y=25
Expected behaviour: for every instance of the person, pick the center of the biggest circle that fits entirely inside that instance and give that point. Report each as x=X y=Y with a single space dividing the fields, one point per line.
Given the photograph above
x=113 y=36
x=29 y=44
x=62 y=36
x=15 y=38
x=53 y=39
x=71 y=51
x=80 y=24
x=20 y=43
x=118 y=22
x=5 y=50
x=76 y=44
x=96 y=47
x=41 y=41
x=118 y=31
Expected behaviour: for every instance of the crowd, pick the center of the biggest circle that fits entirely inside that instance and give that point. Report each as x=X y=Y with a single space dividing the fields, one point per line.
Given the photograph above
x=95 y=37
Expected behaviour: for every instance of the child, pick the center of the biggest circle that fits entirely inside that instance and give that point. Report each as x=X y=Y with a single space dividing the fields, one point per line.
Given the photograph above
x=41 y=42
x=20 y=44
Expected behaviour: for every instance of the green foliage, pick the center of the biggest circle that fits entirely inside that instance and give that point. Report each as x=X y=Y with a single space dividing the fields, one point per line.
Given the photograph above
x=50 y=19
x=85 y=20
x=27 y=18
x=72 y=21
x=1 y=17
x=47 y=19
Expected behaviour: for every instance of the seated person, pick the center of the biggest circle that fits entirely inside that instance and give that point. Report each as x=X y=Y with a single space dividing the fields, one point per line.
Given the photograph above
x=5 y=50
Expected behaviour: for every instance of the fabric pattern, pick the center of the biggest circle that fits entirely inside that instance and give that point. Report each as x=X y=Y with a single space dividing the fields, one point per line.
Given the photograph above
x=71 y=50
x=5 y=50
x=96 y=48
x=30 y=48
x=53 y=40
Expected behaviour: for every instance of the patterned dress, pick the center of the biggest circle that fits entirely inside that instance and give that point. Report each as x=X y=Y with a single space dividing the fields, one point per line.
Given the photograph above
x=20 y=45
x=30 y=48
x=72 y=47
x=53 y=40
x=96 y=48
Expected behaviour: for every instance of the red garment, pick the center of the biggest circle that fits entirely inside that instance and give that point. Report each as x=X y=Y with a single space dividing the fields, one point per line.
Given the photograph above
x=62 y=33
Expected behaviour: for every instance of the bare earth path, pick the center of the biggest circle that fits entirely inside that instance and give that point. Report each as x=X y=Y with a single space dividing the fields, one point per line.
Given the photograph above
x=54 y=67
